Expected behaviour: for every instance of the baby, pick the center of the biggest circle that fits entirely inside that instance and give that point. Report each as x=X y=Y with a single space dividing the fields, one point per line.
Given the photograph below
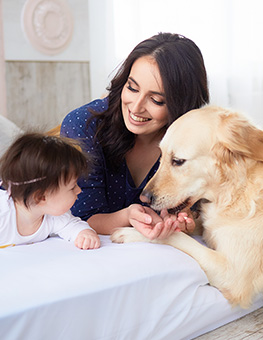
x=40 y=174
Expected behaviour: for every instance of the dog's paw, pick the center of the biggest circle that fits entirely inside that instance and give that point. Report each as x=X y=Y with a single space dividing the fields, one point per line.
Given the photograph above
x=127 y=234
x=118 y=236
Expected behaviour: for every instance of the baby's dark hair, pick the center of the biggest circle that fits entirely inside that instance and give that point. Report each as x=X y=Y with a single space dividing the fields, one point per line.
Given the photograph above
x=36 y=162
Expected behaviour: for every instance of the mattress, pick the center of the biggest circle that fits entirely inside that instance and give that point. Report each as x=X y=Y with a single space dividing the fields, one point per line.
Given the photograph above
x=135 y=291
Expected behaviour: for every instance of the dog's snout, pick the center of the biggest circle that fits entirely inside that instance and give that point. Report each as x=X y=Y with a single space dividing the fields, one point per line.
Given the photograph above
x=147 y=197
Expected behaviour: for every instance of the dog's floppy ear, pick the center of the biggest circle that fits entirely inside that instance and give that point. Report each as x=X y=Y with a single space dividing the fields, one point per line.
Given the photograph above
x=238 y=136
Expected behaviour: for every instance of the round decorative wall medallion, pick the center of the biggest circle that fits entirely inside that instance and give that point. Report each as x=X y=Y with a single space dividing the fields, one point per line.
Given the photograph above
x=48 y=25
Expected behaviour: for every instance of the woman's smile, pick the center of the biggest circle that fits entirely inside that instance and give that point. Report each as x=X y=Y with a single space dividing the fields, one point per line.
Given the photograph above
x=138 y=119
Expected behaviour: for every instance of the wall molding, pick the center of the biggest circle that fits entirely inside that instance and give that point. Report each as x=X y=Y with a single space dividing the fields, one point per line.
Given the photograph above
x=48 y=25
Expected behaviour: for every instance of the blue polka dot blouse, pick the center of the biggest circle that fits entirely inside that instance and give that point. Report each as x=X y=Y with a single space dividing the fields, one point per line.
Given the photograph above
x=104 y=191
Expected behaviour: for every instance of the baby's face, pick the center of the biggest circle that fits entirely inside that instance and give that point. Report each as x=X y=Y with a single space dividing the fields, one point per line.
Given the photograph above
x=60 y=201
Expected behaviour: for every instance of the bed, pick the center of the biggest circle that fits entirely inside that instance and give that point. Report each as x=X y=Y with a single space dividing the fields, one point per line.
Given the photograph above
x=134 y=291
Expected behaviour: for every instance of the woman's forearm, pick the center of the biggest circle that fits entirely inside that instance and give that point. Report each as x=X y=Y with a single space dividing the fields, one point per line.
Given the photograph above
x=105 y=223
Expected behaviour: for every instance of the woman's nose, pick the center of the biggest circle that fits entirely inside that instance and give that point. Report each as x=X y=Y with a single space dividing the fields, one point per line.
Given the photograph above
x=139 y=105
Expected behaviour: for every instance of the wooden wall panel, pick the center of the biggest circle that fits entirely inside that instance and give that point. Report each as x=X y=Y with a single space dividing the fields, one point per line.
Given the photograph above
x=40 y=94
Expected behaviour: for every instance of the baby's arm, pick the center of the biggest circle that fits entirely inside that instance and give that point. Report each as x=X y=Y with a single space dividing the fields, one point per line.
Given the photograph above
x=73 y=229
x=87 y=239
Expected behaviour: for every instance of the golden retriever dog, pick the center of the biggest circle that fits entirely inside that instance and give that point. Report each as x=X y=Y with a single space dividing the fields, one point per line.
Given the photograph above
x=214 y=156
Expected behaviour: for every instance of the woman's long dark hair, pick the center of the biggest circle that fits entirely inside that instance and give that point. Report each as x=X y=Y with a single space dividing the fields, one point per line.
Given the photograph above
x=184 y=78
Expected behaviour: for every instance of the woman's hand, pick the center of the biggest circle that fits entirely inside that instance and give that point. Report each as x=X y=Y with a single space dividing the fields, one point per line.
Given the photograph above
x=145 y=220
x=153 y=226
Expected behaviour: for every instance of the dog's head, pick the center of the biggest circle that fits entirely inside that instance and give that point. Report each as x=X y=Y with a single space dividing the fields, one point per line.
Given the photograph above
x=199 y=153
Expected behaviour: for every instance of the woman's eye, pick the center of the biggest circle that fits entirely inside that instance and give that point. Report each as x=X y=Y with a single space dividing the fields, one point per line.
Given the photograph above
x=129 y=87
x=177 y=161
x=157 y=102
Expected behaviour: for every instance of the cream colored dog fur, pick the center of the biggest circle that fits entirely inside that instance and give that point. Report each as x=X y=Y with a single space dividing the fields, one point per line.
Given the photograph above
x=217 y=156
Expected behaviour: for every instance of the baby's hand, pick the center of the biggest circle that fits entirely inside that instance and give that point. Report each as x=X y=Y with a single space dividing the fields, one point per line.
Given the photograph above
x=87 y=239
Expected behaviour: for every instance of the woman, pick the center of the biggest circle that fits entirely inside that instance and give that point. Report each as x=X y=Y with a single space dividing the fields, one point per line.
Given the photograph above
x=161 y=79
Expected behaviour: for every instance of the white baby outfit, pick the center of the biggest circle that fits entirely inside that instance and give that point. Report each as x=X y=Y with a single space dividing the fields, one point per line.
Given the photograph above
x=65 y=226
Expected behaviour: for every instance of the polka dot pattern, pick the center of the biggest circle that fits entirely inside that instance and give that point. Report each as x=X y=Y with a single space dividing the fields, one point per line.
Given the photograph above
x=104 y=190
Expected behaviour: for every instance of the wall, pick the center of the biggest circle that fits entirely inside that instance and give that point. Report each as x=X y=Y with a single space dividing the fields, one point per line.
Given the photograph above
x=44 y=84
x=2 y=68
x=228 y=32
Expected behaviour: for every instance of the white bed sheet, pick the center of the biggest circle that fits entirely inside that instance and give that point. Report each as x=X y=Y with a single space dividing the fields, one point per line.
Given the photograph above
x=137 y=291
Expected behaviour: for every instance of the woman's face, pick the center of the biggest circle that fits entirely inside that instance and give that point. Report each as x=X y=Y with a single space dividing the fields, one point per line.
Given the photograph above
x=143 y=103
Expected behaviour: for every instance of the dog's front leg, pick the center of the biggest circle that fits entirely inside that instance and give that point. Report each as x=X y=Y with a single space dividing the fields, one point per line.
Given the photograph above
x=128 y=234
x=212 y=262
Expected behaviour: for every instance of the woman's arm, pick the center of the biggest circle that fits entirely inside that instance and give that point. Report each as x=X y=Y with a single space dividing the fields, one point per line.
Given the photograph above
x=104 y=224
x=144 y=219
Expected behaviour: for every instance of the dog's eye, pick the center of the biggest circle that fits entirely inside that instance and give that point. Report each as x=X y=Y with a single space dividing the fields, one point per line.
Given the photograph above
x=177 y=161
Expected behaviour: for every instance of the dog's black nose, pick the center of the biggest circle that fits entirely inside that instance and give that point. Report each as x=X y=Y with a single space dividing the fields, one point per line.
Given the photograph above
x=147 y=197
